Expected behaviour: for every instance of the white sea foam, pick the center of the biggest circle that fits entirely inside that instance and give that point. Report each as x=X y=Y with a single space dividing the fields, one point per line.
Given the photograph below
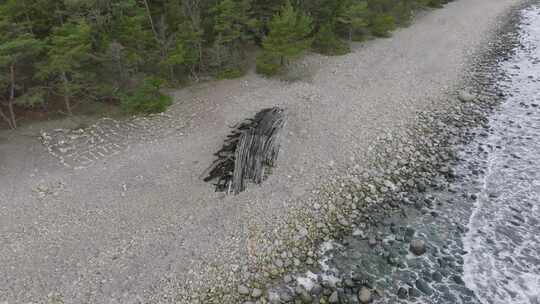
x=503 y=243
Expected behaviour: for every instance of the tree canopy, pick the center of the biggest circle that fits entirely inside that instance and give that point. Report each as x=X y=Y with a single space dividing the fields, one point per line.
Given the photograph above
x=68 y=52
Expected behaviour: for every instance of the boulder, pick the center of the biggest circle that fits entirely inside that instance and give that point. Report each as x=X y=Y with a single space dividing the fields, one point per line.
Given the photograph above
x=364 y=295
x=466 y=96
x=418 y=247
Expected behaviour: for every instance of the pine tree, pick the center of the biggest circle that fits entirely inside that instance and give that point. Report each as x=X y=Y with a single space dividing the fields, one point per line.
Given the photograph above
x=176 y=56
x=101 y=49
x=67 y=53
x=262 y=12
x=381 y=19
x=183 y=22
x=230 y=23
x=16 y=47
x=381 y=25
x=146 y=98
x=402 y=12
x=328 y=43
x=323 y=12
x=354 y=17
x=288 y=37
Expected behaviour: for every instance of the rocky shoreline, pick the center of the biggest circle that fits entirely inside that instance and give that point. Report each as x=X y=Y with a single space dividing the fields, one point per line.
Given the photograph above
x=137 y=224
x=372 y=210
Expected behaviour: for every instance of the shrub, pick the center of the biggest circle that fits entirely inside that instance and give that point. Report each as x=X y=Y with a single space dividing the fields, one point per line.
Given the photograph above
x=288 y=39
x=230 y=73
x=268 y=64
x=147 y=98
x=435 y=3
x=326 y=42
x=402 y=13
x=381 y=25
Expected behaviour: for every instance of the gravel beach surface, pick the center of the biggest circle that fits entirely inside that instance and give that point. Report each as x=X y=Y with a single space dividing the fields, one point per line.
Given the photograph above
x=118 y=213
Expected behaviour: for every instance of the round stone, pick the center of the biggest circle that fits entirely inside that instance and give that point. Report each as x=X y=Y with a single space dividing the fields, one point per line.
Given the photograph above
x=418 y=247
x=243 y=290
x=256 y=293
x=424 y=287
x=364 y=295
x=402 y=293
x=466 y=96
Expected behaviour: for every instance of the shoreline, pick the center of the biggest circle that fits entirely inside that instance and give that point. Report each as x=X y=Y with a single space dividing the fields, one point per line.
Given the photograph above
x=376 y=202
x=221 y=239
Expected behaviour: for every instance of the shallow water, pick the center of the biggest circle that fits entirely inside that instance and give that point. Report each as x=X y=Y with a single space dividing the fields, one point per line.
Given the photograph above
x=483 y=231
x=503 y=242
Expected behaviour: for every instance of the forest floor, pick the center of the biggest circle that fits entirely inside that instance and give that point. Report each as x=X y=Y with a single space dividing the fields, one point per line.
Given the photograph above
x=116 y=212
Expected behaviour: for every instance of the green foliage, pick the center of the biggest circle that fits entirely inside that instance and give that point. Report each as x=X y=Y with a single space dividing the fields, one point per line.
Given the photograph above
x=324 y=11
x=288 y=37
x=230 y=74
x=268 y=64
x=230 y=23
x=326 y=42
x=67 y=63
x=433 y=3
x=354 y=18
x=402 y=13
x=147 y=98
x=32 y=98
x=68 y=47
x=17 y=48
x=89 y=50
x=263 y=11
x=381 y=25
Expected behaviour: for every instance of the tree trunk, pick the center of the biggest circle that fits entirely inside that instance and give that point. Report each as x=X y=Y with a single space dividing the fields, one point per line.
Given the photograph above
x=67 y=94
x=218 y=51
x=156 y=36
x=6 y=118
x=199 y=47
x=192 y=9
x=60 y=14
x=171 y=73
x=12 y=96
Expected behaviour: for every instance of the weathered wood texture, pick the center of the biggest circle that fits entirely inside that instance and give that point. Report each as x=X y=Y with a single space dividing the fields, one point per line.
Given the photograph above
x=248 y=152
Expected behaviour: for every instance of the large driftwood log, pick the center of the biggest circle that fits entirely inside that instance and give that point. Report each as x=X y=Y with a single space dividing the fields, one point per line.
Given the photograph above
x=247 y=152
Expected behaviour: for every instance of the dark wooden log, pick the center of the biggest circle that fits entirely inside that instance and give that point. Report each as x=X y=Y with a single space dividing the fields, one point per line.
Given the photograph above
x=247 y=152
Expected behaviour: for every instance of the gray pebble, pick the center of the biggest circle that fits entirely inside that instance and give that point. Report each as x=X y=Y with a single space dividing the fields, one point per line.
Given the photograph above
x=418 y=247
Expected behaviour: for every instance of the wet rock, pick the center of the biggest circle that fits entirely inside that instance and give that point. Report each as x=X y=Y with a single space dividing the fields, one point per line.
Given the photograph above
x=334 y=298
x=409 y=233
x=364 y=295
x=458 y=280
x=437 y=276
x=402 y=293
x=421 y=187
x=423 y=287
x=348 y=283
x=418 y=247
x=413 y=292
